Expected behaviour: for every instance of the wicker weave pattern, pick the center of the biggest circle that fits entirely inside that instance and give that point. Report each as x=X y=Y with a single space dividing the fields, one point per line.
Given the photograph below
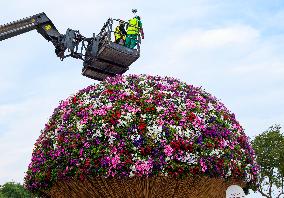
x=158 y=187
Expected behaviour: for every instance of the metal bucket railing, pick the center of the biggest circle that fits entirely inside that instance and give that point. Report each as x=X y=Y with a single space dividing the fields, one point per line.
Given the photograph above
x=107 y=32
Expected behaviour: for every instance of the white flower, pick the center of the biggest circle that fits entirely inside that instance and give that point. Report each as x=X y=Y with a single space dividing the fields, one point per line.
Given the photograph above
x=97 y=133
x=159 y=109
x=132 y=168
x=178 y=129
x=188 y=133
x=147 y=90
x=134 y=137
x=143 y=116
x=216 y=152
x=79 y=126
x=126 y=116
x=55 y=132
x=121 y=123
x=210 y=106
x=181 y=107
x=229 y=173
x=167 y=159
x=189 y=158
x=128 y=92
x=155 y=132
x=131 y=174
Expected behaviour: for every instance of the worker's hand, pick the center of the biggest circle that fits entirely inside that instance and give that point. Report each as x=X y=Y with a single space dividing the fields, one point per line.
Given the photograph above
x=142 y=33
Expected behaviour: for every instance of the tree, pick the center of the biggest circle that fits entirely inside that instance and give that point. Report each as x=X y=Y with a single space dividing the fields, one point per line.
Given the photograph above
x=13 y=190
x=269 y=150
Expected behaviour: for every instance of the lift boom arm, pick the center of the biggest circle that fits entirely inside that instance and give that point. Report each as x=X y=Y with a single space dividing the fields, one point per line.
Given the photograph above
x=101 y=56
x=40 y=22
x=47 y=29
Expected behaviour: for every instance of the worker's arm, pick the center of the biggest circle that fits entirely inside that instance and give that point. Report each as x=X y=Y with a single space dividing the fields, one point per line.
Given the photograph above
x=142 y=33
x=122 y=30
x=141 y=29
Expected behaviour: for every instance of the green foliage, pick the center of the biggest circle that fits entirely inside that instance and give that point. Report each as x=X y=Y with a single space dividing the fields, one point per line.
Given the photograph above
x=13 y=190
x=269 y=150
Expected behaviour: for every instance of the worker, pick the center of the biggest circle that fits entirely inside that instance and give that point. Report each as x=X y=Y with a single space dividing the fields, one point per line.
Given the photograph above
x=134 y=28
x=120 y=33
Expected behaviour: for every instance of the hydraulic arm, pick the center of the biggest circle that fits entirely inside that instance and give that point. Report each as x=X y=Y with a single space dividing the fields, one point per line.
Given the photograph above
x=101 y=56
x=40 y=22
x=46 y=28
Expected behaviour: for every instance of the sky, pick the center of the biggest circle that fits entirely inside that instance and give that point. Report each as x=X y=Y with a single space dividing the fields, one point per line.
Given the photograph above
x=233 y=49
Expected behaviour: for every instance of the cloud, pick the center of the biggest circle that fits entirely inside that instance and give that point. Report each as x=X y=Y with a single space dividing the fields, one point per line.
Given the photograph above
x=271 y=69
x=230 y=36
x=201 y=51
x=23 y=122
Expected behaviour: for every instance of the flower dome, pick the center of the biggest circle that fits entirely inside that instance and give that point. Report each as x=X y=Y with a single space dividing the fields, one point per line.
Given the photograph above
x=139 y=128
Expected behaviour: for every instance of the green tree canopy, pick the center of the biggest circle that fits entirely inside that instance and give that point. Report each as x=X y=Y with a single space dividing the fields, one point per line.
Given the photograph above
x=269 y=150
x=13 y=190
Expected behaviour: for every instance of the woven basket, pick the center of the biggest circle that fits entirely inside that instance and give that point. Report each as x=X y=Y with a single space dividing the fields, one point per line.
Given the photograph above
x=137 y=187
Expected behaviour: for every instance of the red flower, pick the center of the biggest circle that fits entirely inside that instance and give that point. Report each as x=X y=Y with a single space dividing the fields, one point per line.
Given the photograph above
x=87 y=162
x=209 y=145
x=175 y=145
x=142 y=151
x=74 y=100
x=189 y=147
x=149 y=109
x=128 y=161
x=142 y=125
x=191 y=117
x=180 y=170
x=226 y=117
x=194 y=170
x=82 y=178
x=60 y=138
x=114 y=117
x=145 y=151
x=148 y=149
x=118 y=114
x=113 y=122
x=48 y=175
x=109 y=91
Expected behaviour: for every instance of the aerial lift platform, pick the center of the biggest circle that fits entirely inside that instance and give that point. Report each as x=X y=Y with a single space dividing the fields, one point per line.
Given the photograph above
x=101 y=56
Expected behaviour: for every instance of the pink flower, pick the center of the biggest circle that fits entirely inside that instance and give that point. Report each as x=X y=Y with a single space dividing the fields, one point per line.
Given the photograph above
x=190 y=104
x=203 y=165
x=115 y=160
x=223 y=143
x=168 y=150
x=81 y=152
x=160 y=122
x=144 y=167
x=114 y=150
x=87 y=145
